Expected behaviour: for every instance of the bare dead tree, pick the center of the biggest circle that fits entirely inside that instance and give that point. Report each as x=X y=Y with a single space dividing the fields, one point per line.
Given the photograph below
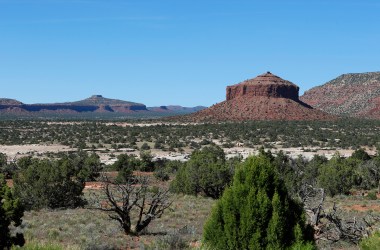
x=132 y=202
x=329 y=225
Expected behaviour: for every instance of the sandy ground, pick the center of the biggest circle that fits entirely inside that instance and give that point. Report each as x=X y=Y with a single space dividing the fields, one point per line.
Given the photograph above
x=108 y=157
x=17 y=151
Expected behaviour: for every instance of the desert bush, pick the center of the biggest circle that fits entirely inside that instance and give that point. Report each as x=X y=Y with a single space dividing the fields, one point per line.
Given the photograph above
x=11 y=212
x=7 y=169
x=338 y=175
x=145 y=146
x=372 y=195
x=256 y=212
x=206 y=172
x=48 y=183
x=371 y=243
x=162 y=174
x=369 y=174
x=146 y=163
x=360 y=154
x=173 y=241
x=126 y=161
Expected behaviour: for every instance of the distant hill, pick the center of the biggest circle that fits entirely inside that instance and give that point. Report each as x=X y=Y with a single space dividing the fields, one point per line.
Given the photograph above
x=265 y=97
x=176 y=108
x=97 y=100
x=356 y=95
x=7 y=101
x=94 y=106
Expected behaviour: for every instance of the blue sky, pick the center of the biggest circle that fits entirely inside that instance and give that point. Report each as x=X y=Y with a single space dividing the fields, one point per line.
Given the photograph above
x=185 y=52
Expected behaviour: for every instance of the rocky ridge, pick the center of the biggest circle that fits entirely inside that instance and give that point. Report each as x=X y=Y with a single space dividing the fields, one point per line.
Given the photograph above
x=356 y=95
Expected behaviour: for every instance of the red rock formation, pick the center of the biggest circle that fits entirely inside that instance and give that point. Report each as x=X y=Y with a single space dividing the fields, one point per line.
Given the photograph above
x=266 y=97
x=266 y=85
x=356 y=95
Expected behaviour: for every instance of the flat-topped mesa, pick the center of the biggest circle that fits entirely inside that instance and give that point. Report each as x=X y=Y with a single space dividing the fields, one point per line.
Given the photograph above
x=267 y=85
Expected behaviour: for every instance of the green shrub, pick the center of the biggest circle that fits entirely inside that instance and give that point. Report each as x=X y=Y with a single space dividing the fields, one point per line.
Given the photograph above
x=371 y=243
x=256 y=212
x=372 y=195
x=51 y=184
x=145 y=146
x=162 y=174
x=338 y=175
x=206 y=172
x=11 y=212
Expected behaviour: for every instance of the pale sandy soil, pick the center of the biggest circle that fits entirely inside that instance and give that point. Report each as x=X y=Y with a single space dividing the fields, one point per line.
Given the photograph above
x=127 y=124
x=291 y=152
x=17 y=151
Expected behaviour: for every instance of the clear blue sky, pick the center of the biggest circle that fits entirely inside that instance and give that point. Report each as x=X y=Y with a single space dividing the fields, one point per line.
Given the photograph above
x=185 y=52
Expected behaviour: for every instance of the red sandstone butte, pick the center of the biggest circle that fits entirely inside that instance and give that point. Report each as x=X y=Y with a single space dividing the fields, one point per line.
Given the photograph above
x=265 y=97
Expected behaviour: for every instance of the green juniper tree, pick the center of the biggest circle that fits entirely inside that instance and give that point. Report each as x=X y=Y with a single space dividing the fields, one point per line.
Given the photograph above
x=256 y=212
x=11 y=212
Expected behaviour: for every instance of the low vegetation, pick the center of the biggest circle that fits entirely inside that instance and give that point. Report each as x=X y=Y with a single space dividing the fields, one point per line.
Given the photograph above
x=127 y=203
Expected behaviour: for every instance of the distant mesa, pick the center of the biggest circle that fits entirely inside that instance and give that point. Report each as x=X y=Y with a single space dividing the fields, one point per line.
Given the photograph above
x=265 y=97
x=7 y=101
x=176 y=109
x=356 y=95
x=100 y=100
x=96 y=104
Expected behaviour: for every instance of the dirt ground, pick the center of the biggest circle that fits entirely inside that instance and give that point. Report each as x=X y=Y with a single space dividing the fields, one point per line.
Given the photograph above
x=17 y=151
x=109 y=157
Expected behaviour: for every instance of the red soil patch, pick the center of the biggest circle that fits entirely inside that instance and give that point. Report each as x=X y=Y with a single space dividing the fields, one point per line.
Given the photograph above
x=363 y=208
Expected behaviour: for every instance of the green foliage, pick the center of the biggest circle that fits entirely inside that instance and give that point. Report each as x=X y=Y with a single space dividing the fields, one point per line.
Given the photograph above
x=126 y=161
x=162 y=174
x=146 y=163
x=206 y=172
x=371 y=243
x=7 y=169
x=145 y=146
x=360 y=154
x=124 y=175
x=49 y=183
x=11 y=212
x=372 y=195
x=3 y=160
x=256 y=212
x=338 y=175
x=88 y=166
x=369 y=173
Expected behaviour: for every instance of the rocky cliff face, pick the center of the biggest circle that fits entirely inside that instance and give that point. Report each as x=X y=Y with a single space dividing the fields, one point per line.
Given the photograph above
x=266 y=85
x=266 y=97
x=356 y=95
